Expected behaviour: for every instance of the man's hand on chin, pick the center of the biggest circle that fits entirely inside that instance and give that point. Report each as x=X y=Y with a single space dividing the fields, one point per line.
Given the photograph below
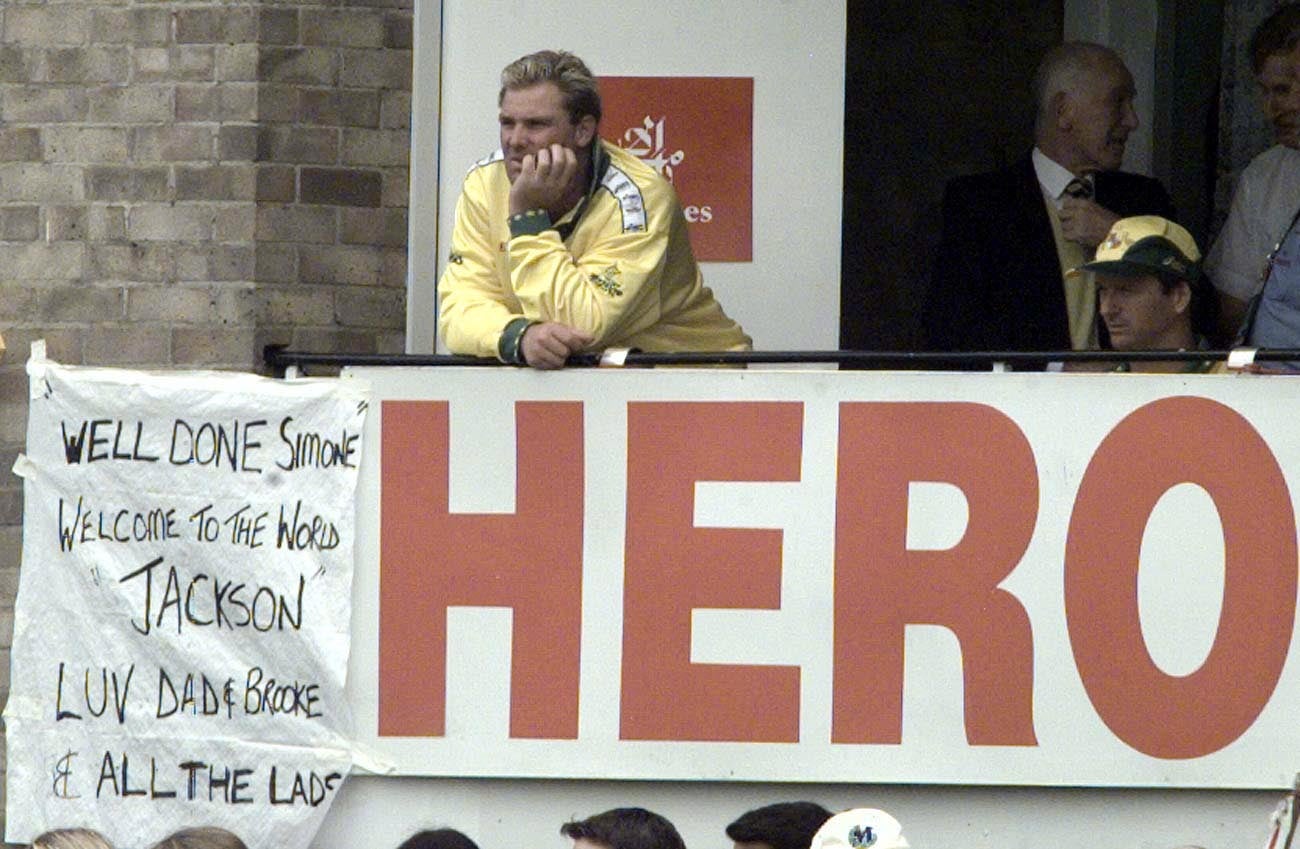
x=548 y=344
x=544 y=180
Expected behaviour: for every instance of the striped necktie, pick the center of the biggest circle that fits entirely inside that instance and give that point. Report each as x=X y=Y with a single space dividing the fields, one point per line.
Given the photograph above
x=1080 y=187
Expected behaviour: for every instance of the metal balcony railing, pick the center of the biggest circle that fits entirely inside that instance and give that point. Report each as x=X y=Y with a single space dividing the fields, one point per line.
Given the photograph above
x=280 y=359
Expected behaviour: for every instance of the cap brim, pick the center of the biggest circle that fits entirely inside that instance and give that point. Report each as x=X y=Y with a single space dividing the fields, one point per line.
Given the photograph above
x=1123 y=268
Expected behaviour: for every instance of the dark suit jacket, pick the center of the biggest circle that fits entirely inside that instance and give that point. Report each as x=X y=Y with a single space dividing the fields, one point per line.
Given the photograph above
x=997 y=279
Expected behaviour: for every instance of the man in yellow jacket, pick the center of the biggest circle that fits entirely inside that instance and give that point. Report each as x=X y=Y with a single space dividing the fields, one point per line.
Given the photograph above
x=564 y=243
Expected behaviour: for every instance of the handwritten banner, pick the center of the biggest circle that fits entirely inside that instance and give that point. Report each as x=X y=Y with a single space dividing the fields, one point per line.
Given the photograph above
x=181 y=631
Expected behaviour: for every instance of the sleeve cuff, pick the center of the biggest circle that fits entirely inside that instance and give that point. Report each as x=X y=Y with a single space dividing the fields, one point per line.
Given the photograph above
x=529 y=223
x=509 y=347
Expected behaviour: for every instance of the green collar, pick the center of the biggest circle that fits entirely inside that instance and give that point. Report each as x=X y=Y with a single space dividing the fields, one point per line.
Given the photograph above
x=599 y=165
x=1189 y=367
x=536 y=221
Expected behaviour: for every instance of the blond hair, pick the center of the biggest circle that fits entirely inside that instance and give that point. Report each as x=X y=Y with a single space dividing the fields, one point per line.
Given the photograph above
x=569 y=74
x=71 y=838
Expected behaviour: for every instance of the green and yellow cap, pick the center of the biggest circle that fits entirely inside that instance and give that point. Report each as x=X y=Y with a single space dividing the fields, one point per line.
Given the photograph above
x=1146 y=244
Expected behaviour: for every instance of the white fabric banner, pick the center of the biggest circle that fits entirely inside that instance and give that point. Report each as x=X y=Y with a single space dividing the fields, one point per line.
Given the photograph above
x=181 y=631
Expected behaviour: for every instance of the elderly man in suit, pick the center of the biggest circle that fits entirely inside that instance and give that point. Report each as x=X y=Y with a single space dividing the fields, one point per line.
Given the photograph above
x=1010 y=235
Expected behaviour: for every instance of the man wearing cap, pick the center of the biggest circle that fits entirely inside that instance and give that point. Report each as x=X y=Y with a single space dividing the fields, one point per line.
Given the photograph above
x=563 y=243
x=1266 y=203
x=783 y=825
x=1010 y=235
x=860 y=828
x=1150 y=292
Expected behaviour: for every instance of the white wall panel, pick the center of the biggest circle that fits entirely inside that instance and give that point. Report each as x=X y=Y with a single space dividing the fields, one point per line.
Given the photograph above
x=788 y=297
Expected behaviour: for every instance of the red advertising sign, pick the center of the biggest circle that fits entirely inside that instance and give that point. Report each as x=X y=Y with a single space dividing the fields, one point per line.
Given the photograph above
x=698 y=133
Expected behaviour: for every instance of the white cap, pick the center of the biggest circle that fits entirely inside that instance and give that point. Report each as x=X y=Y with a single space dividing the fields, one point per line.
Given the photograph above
x=860 y=828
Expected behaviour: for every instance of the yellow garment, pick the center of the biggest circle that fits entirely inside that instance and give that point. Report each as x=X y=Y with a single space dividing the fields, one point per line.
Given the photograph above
x=625 y=274
x=1080 y=289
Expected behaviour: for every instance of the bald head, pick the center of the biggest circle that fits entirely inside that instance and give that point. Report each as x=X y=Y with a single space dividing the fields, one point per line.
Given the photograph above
x=1068 y=69
x=1085 y=113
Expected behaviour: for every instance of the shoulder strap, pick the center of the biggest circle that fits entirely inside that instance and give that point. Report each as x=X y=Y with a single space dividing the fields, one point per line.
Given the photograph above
x=1248 y=326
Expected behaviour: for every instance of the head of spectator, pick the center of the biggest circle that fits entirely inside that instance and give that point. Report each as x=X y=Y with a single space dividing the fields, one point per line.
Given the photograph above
x=860 y=828
x=623 y=828
x=438 y=838
x=547 y=98
x=1085 y=111
x=784 y=825
x=205 y=837
x=1275 y=59
x=1149 y=286
x=71 y=838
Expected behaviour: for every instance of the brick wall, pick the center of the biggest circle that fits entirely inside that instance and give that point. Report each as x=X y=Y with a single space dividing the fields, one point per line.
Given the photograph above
x=183 y=183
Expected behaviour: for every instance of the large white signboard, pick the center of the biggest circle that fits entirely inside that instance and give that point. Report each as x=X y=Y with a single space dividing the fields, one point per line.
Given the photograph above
x=840 y=577
x=181 y=629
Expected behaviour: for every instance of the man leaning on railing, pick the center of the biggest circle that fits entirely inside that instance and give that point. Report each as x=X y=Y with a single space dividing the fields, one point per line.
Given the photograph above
x=565 y=244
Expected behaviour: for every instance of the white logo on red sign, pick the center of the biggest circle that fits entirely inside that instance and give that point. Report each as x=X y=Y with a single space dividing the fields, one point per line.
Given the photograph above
x=646 y=143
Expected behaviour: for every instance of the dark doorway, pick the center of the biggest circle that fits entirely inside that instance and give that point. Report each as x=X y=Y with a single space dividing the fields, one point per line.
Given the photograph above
x=932 y=90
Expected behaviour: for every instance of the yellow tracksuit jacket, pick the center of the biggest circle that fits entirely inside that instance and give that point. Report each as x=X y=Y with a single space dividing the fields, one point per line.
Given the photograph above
x=618 y=266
